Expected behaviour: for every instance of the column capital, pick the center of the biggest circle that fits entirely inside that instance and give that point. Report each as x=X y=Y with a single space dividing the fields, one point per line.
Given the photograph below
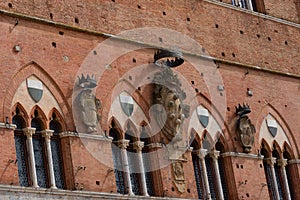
x=271 y=161
x=202 y=153
x=214 y=154
x=282 y=162
x=28 y=131
x=47 y=134
x=138 y=146
x=123 y=144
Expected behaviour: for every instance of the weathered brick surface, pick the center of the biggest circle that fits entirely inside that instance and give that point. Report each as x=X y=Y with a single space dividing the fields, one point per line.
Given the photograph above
x=55 y=54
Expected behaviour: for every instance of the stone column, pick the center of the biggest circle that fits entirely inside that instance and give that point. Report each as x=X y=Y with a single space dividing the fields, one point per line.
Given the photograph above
x=202 y=154
x=47 y=134
x=138 y=146
x=214 y=155
x=282 y=163
x=29 y=132
x=123 y=144
x=271 y=161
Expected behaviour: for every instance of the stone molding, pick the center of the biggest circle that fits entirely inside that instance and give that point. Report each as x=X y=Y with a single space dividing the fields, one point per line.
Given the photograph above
x=242 y=155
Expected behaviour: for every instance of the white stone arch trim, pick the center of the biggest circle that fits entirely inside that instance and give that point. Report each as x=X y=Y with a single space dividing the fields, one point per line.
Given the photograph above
x=264 y=133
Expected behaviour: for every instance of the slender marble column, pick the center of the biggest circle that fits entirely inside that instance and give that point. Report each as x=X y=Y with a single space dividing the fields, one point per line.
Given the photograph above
x=123 y=144
x=214 y=155
x=29 y=132
x=138 y=146
x=202 y=154
x=271 y=161
x=282 y=163
x=47 y=134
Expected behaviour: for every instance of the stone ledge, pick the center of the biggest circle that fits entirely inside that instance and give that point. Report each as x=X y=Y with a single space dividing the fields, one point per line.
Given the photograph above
x=294 y=161
x=242 y=155
x=85 y=136
x=8 y=126
x=8 y=192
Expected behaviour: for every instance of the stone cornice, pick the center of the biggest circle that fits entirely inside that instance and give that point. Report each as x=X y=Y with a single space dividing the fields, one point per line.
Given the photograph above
x=33 y=193
x=242 y=155
x=294 y=161
x=85 y=136
x=8 y=126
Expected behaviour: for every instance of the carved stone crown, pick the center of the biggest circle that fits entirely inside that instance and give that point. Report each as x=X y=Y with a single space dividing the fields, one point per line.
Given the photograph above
x=168 y=58
x=242 y=110
x=87 y=82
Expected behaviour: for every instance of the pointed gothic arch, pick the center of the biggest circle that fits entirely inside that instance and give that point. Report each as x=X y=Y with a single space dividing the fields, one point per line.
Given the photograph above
x=271 y=110
x=29 y=69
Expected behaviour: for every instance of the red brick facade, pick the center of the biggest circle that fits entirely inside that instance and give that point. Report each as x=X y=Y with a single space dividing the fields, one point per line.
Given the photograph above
x=241 y=50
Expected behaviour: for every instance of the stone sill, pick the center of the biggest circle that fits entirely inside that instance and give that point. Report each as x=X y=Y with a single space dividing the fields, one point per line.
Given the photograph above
x=8 y=192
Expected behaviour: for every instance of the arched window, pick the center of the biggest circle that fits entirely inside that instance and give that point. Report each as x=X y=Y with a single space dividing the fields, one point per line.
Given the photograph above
x=57 y=152
x=197 y=168
x=39 y=151
x=220 y=147
x=279 y=180
x=289 y=174
x=117 y=159
x=147 y=162
x=209 y=169
x=21 y=149
x=135 y=176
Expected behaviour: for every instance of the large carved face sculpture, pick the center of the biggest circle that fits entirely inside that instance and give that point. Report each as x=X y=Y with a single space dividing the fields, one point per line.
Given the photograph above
x=174 y=112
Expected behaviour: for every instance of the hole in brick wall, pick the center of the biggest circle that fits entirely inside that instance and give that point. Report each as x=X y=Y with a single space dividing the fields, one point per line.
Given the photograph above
x=258 y=35
x=216 y=25
x=134 y=60
x=237 y=166
x=233 y=55
x=203 y=49
x=10 y=5
x=164 y=13
x=247 y=194
x=261 y=166
x=258 y=101
x=285 y=105
x=286 y=42
x=139 y=7
x=193 y=82
x=76 y=20
x=228 y=108
x=275 y=31
x=223 y=54
x=188 y=190
x=97 y=182
x=54 y=44
x=139 y=88
x=269 y=39
x=61 y=33
x=234 y=138
x=160 y=39
x=130 y=77
x=221 y=94
x=242 y=166
x=202 y=74
x=95 y=52
x=241 y=32
x=188 y=19
x=196 y=90
x=113 y=0
x=51 y=16
x=173 y=189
